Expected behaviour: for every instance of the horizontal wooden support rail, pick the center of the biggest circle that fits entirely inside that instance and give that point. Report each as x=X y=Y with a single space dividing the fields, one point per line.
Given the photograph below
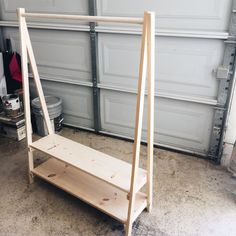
x=126 y=20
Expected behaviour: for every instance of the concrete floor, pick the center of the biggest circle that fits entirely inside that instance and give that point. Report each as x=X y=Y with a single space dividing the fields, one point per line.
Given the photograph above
x=191 y=196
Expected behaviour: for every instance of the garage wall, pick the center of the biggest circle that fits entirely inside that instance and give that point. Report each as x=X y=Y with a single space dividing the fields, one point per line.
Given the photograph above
x=8 y=8
x=62 y=56
x=179 y=14
x=190 y=46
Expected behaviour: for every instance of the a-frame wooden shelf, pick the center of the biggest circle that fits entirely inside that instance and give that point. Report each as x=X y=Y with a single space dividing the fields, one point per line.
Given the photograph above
x=91 y=190
x=100 y=165
x=107 y=183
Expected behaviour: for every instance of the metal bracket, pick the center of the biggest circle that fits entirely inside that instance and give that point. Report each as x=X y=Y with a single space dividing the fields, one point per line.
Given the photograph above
x=222 y=72
x=224 y=90
x=94 y=67
x=216 y=133
x=225 y=74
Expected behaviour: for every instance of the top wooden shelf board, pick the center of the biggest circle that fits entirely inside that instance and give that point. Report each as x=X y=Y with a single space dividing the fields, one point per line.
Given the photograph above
x=105 y=167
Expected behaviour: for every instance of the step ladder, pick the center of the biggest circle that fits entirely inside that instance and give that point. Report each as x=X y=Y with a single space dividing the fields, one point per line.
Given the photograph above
x=111 y=185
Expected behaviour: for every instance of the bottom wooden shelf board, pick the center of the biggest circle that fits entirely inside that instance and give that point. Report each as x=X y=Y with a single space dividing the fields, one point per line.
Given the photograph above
x=91 y=190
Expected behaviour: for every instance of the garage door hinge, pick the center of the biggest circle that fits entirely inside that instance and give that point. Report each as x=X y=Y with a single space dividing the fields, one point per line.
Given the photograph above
x=92 y=27
x=216 y=132
x=94 y=91
x=222 y=72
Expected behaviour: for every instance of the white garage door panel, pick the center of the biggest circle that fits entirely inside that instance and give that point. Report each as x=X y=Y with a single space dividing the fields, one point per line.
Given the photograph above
x=177 y=124
x=174 y=14
x=119 y=61
x=8 y=8
x=61 y=55
x=77 y=102
x=190 y=47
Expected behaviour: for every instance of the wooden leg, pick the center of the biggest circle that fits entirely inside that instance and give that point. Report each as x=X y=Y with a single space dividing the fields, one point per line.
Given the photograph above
x=31 y=166
x=151 y=81
x=128 y=229
x=37 y=79
x=25 y=81
x=138 y=126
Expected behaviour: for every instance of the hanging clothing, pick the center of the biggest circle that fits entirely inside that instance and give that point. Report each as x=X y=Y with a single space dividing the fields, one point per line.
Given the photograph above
x=12 y=71
x=15 y=69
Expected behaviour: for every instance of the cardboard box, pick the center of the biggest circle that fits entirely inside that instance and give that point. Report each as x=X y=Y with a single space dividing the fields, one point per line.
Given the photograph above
x=12 y=127
x=12 y=132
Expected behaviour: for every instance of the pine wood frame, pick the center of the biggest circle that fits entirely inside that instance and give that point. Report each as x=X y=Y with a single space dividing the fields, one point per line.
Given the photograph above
x=146 y=68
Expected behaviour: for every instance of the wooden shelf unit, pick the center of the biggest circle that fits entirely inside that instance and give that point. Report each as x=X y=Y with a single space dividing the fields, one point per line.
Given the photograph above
x=102 y=166
x=106 y=183
x=89 y=189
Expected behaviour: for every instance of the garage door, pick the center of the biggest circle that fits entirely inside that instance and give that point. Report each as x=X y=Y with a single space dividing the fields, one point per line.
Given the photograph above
x=94 y=68
x=190 y=47
x=62 y=55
